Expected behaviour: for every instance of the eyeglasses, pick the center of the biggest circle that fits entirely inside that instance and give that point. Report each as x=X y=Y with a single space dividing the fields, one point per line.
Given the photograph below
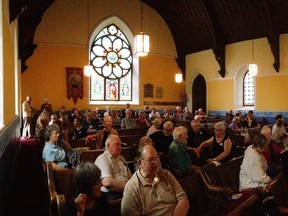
x=151 y=160
x=116 y=143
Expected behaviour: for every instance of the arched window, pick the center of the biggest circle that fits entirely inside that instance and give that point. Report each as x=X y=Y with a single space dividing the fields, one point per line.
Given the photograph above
x=115 y=66
x=248 y=89
x=244 y=89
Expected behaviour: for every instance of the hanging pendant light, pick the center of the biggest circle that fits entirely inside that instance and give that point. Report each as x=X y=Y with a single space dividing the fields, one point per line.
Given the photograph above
x=88 y=69
x=142 y=40
x=253 y=68
x=178 y=77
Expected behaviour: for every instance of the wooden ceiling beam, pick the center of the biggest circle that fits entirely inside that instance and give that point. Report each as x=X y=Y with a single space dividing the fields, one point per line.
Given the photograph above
x=219 y=46
x=29 y=13
x=273 y=36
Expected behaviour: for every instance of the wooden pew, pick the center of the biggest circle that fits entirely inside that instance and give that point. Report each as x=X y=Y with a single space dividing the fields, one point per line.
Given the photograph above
x=222 y=182
x=132 y=140
x=128 y=152
x=126 y=131
x=280 y=191
x=128 y=136
x=80 y=143
x=62 y=189
x=227 y=174
x=253 y=132
x=197 y=196
x=141 y=131
x=58 y=198
x=91 y=155
x=277 y=187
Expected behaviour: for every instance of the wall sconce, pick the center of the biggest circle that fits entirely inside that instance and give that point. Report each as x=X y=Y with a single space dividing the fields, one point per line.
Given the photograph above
x=178 y=77
x=142 y=40
x=253 y=68
x=88 y=69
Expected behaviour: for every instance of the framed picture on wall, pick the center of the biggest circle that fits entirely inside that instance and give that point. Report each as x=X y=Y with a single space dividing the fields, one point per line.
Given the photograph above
x=148 y=90
x=159 y=92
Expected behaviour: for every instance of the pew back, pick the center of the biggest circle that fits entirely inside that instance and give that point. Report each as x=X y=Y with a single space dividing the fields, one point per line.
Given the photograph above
x=80 y=143
x=62 y=189
x=195 y=190
x=227 y=174
x=58 y=196
x=280 y=191
x=91 y=155
x=128 y=152
x=64 y=183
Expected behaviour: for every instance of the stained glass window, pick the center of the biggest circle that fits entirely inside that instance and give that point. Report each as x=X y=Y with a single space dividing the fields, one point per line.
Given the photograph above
x=111 y=58
x=248 y=89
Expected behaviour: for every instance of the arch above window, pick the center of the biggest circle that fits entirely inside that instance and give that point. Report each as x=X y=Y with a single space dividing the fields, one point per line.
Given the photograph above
x=115 y=79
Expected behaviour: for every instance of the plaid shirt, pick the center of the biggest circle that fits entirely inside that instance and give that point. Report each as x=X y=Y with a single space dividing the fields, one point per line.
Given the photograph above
x=128 y=123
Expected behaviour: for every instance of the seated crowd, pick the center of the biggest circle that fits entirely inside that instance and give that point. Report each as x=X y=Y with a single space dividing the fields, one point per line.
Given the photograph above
x=187 y=149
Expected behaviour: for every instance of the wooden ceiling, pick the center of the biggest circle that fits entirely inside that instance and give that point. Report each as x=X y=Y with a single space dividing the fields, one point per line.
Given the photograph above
x=196 y=25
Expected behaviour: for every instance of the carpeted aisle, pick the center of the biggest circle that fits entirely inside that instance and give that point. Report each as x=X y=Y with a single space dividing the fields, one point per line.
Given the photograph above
x=30 y=195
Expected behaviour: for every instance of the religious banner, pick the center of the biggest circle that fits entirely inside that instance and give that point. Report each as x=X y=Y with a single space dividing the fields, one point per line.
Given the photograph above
x=74 y=77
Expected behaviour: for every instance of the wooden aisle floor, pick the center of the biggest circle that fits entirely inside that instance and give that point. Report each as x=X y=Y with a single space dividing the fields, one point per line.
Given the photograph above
x=30 y=194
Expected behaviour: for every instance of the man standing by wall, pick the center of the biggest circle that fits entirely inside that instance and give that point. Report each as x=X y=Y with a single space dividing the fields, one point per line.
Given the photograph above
x=27 y=110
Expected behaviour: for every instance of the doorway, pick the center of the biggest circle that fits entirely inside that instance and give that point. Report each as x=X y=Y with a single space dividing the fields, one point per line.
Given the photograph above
x=199 y=94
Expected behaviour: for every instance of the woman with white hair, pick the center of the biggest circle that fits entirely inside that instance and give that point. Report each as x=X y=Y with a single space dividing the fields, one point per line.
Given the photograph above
x=235 y=124
x=222 y=149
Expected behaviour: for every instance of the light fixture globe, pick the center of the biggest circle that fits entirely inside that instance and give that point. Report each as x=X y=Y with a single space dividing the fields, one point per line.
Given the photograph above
x=88 y=70
x=253 y=68
x=142 y=44
x=178 y=77
x=142 y=40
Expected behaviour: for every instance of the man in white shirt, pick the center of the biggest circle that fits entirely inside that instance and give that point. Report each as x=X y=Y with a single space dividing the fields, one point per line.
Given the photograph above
x=115 y=172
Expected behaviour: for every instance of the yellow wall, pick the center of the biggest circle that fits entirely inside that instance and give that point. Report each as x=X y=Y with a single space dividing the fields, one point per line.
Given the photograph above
x=62 y=42
x=160 y=71
x=220 y=91
x=273 y=94
x=46 y=77
x=269 y=84
x=8 y=66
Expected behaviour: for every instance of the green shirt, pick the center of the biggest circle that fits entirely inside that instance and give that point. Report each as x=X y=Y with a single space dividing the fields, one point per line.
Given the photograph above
x=178 y=156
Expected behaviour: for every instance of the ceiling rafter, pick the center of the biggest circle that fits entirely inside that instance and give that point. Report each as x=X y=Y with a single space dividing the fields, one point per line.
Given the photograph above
x=273 y=37
x=195 y=25
x=219 y=46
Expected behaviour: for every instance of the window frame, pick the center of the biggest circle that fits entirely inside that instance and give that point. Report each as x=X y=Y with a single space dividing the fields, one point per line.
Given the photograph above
x=135 y=59
x=245 y=75
x=239 y=91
